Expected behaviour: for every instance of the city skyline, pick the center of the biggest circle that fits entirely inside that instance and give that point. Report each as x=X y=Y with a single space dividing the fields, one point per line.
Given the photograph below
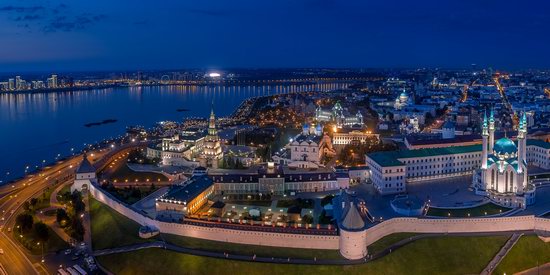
x=134 y=35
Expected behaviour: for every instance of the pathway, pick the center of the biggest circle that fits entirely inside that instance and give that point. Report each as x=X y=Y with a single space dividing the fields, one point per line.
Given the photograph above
x=51 y=221
x=502 y=253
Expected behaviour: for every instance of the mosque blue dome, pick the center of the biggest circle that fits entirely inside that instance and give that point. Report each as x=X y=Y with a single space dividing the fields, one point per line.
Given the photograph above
x=505 y=145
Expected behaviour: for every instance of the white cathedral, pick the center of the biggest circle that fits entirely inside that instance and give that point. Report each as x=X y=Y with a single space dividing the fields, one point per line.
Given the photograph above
x=503 y=173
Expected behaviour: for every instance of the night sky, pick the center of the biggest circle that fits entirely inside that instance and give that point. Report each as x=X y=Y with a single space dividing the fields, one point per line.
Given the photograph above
x=68 y=35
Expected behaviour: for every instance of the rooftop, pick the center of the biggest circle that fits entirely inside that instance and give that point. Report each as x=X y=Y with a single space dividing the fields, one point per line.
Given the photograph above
x=391 y=158
x=85 y=167
x=192 y=188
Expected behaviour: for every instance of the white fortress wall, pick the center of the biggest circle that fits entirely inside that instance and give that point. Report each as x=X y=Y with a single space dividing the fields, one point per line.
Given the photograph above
x=469 y=225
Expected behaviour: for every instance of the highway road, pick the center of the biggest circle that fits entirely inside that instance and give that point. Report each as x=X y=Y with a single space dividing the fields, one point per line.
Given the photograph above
x=15 y=260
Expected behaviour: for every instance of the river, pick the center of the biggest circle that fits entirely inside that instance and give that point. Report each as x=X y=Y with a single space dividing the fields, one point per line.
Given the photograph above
x=37 y=128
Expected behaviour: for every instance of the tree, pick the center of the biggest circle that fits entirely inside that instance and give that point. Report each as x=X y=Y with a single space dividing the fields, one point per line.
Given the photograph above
x=41 y=231
x=76 y=200
x=307 y=219
x=25 y=222
x=62 y=217
x=27 y=206
x=77 y=229
x=34 y=202
x=135 y=192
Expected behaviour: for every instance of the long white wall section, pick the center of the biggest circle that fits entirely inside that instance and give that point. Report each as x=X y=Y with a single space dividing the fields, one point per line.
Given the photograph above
x=466 y=225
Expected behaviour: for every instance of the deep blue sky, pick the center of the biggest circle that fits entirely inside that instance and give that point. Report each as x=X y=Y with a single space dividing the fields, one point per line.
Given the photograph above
x=60 y=35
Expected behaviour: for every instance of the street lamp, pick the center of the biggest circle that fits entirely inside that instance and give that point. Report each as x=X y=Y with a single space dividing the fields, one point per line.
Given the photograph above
x=38 y=243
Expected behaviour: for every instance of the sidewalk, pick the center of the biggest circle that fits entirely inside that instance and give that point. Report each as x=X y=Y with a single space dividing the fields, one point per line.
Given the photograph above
x=501 y=254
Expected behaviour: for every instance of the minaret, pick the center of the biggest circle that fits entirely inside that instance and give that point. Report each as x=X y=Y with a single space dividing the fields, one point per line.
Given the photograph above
x=524 y=118
x=484 y=135
x=522 y=132
x=491 y=132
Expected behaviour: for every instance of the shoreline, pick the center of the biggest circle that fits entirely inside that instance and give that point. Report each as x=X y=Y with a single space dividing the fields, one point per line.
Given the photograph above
x=213 y=84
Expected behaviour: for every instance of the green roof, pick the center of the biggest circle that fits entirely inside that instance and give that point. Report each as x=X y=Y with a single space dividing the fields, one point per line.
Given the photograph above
x=385 y=159
x=391 y=158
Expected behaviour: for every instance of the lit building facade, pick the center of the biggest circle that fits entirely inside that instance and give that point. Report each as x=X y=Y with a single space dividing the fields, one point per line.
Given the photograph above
x=336 y=115
x=391 y=171
x=503 y=172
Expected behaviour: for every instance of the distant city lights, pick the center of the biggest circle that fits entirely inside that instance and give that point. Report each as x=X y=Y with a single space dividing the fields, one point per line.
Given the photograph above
x=214 y=74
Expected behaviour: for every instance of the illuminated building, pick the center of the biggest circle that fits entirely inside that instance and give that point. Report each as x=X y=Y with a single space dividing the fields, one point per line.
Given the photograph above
x=336 y=115
x=212 y=151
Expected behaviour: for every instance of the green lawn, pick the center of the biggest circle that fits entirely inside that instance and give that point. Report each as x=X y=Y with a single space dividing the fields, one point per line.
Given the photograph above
x=263 y=251
x=489 y=208
x=444 y=255
x=125 y=173
x=111 y=229
x=529 y=252
x=387 y=241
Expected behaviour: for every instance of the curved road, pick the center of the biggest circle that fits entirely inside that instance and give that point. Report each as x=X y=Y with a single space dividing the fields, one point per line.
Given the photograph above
x=15 y=260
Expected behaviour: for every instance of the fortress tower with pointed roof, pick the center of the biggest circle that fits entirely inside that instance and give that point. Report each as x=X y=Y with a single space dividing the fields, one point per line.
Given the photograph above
x=84 y=175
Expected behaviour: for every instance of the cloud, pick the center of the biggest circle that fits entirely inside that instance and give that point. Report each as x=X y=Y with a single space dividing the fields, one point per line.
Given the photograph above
x=20 y=9
x=59 y=8
x=68 y=24
x=51 y=18
x=28 y=17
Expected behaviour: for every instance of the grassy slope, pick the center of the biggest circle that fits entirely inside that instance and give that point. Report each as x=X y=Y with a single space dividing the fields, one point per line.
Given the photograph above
x=263 y=251
x=530 y=251
x=111 y=229
x=387 y=241
x=445 y=255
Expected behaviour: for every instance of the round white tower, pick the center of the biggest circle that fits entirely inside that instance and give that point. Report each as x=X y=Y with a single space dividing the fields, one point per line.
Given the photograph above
x=352 y=242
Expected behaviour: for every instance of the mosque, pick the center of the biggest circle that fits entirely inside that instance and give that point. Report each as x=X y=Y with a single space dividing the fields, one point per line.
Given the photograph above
x=503 y=173
x=499 y=168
